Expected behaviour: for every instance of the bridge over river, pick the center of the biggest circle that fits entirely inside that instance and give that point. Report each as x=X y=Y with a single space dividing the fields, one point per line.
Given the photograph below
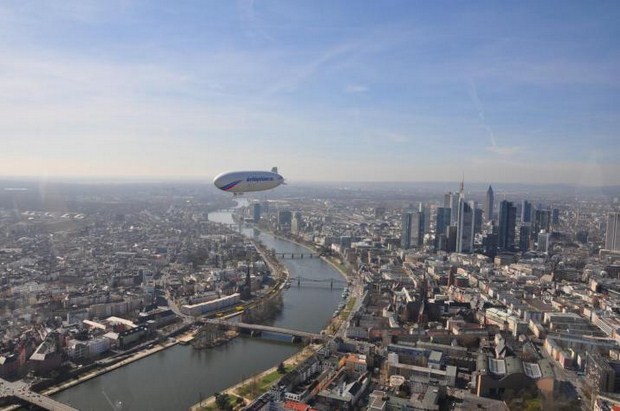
x=293 y=256
x=266 y=328
x=21 y=391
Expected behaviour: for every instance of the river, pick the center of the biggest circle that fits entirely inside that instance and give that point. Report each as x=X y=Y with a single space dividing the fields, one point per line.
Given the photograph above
x=176 y=378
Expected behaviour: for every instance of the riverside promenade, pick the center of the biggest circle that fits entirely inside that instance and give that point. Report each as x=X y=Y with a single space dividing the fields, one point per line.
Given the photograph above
x=293 y=361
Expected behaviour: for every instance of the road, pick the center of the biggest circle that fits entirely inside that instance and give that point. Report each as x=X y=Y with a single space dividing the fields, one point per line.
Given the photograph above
x=20 y=390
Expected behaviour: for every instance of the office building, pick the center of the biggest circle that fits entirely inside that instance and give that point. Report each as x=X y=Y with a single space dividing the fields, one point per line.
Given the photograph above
x=454 y=206
x=256 y=214
x=489 y=242
x=412 y=234
x=488 y=204
x=478 y=220
x=465 y=228
x=555 y=217
x=582 y=236
x=526 y=212
x=285 y=218
x=297 y=223
x=612 y=238
x=442 y=221
x=543 y=242
x=542 y=221
x=451 y=233
x=525 y=233
x=507 y=226
x=426 y=218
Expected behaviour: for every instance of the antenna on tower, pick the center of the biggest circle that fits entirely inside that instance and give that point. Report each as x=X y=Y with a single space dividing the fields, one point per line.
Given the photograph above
x=462 y=183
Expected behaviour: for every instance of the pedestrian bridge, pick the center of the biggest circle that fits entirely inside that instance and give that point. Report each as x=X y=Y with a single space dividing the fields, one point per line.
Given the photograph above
x=21 y=391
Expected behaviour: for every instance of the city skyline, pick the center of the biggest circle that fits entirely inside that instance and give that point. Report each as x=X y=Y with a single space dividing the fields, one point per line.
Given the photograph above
x=511 y=93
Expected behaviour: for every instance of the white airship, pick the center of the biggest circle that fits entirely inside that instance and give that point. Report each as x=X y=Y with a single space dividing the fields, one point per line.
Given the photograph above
x=239 y=182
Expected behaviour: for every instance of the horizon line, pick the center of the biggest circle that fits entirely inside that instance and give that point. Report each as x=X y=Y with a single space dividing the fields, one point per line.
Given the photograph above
x=209 y=180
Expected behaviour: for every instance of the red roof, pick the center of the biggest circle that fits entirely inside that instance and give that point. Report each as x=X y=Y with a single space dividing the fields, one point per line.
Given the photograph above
x=297 y=406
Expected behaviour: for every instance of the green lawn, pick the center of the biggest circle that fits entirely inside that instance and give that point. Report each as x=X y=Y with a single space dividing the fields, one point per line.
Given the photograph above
x=254 y=388
x=232 y=401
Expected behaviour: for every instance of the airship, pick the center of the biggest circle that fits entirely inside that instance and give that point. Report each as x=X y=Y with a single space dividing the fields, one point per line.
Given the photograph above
x=239 y=182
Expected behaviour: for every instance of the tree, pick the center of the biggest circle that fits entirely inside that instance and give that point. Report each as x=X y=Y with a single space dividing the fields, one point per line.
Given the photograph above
x=281 y=368
x=222 y=402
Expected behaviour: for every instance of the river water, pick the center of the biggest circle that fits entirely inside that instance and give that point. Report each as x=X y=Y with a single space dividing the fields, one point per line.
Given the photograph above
x=176 y=378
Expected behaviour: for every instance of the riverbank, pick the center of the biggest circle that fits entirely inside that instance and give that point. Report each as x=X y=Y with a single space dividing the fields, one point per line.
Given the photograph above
x=183 y=339
x=333 y=325
x=290 y=362
x=312 y=248
x=100 y=371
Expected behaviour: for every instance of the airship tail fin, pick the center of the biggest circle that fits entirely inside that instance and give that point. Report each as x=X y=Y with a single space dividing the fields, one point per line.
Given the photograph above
x=274 y=170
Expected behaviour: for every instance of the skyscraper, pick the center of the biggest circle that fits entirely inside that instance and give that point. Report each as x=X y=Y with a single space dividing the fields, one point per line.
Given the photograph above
x=543 y=242
x=526 y=212
x=442 y=221
x=525 y=232
x=478 y=220
x=256 y=212
x=296 y=223
x=489 y=242
x=542 y=221
x=465 y=227
x=612 y=238
x=426 y=218
x=488 y=204
x=507 y=225
x=412 y=234
x=454 y=206
x=285 y=217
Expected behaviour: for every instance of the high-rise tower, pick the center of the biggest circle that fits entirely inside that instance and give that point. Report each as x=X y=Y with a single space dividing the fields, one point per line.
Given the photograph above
x=442 y=221
x=454 y=208
x=612 y=238
x=465 y=228
x=507 y=224
x=488 y=204
x=412 y=234
x=526 y=212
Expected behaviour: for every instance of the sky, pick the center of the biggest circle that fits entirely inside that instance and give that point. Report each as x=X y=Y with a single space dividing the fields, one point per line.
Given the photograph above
x=524 y=92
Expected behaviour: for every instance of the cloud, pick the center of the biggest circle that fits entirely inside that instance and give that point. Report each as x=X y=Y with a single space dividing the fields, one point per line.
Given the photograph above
x=355 y=88
x=300 y=74
x=493 y=148
x=389 y=137
x=504 y=151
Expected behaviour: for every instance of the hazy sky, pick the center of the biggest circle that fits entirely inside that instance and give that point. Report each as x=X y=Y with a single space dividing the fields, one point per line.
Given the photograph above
x=326 y=90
